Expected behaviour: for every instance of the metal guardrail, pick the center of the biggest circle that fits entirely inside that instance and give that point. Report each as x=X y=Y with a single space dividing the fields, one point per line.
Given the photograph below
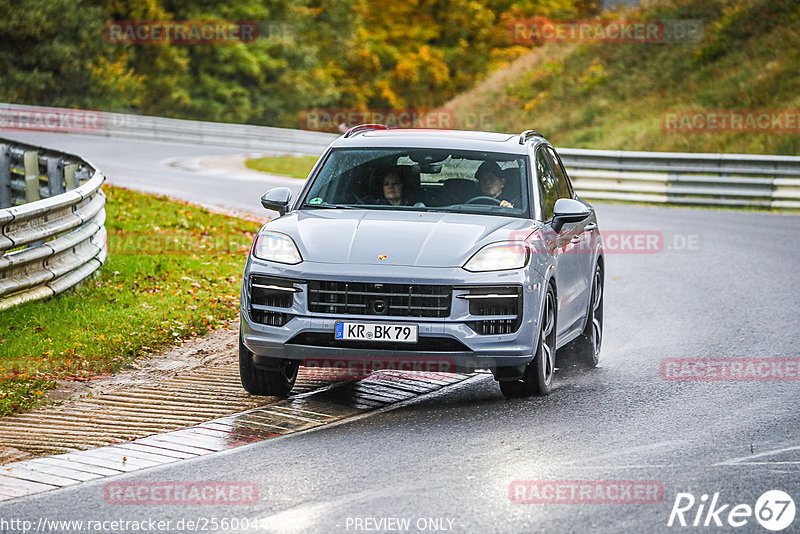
x=257 y=138
x=684 y=178
x=15 y=117
x=655 y=177
x=52 y=216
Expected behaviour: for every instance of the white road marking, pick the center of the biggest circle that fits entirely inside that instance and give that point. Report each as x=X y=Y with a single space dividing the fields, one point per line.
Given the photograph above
x=744 y=459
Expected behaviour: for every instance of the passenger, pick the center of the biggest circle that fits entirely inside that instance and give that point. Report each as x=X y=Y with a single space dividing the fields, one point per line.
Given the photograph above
x=491 y=181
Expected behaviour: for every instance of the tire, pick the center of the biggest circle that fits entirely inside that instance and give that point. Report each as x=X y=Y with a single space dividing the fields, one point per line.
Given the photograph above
x=538 y=376
x=257 y=381
x=584 y=351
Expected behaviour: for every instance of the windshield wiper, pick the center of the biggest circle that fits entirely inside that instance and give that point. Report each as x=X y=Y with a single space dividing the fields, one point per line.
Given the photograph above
x=331 y=206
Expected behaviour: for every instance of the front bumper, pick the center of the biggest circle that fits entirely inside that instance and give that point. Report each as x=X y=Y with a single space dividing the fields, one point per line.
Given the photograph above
x=464 y=348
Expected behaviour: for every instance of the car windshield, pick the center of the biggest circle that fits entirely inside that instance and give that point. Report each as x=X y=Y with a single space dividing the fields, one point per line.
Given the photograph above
x=421 y=180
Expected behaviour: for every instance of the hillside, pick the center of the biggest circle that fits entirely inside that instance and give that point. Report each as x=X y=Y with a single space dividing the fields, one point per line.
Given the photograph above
x=617 y=95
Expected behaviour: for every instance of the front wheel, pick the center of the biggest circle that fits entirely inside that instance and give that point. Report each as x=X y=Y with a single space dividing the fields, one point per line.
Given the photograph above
x=584 y=351
x=277 y=382
x=538 y=376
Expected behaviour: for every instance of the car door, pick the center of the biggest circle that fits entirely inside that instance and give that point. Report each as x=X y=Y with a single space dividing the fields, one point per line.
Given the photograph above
x=559 y=245
x=581 y=238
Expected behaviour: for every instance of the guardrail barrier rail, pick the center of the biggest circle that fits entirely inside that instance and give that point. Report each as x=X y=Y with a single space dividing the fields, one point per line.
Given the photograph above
x=52 y=222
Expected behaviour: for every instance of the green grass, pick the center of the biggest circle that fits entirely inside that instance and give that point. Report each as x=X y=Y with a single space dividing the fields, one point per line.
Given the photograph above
x=613 y=95
x=293 y=166
x=173 y=272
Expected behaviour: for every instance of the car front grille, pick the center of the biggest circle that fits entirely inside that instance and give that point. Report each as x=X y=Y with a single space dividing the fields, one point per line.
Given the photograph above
x=267 y=293
x=395 y=300
x=502 y=303
x=494 y=326
x=270 y=318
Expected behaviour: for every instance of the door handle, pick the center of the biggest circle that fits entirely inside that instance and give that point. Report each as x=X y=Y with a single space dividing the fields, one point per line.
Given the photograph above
x=589 y=227
x=576 y=239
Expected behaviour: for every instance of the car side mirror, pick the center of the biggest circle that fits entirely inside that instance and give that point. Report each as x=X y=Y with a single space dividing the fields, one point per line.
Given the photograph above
x=277 y=199
x=567 y=210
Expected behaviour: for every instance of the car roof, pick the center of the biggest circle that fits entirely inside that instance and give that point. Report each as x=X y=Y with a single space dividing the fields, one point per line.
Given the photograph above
x=429 y=138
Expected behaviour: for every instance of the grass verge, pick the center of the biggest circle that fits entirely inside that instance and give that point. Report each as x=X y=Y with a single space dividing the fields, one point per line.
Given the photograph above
x=293 y=166
x=173 y=272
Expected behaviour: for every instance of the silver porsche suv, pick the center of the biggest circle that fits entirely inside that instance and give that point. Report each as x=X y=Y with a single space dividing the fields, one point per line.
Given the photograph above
x=426 y=250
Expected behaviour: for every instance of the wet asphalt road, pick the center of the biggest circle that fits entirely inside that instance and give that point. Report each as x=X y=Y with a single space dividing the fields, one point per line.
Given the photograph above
x=724 y=285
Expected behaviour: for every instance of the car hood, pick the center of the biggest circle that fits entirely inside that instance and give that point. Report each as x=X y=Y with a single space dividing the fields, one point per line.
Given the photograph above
x=370 y=237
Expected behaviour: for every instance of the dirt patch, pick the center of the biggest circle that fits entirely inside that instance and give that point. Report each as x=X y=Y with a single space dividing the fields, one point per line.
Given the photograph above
x=203 y=351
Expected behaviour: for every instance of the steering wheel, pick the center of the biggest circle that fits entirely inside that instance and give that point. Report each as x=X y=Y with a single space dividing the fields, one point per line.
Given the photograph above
x=483 y=200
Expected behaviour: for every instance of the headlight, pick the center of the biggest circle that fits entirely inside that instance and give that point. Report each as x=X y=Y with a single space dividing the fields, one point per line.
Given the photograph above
x=273 y=246
x=499 y=256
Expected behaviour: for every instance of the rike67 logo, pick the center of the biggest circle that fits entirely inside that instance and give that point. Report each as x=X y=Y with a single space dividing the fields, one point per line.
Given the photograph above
x=774 y=510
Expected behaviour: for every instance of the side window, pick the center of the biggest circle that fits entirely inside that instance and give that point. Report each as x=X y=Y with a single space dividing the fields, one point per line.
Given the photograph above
x=562 y=182
x=547 y=182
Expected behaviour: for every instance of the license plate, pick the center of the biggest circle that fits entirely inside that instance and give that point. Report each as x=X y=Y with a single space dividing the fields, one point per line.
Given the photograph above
x=398 y=332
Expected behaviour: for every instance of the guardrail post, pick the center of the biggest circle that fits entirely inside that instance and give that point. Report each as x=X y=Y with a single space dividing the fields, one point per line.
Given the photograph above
x=81 y=175
x=5 y=177
x=31 y=162
x=55 y=176
x=69 y=176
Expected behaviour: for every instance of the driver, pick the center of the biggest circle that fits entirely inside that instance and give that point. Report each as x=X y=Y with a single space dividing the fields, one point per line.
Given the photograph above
x=393 y=189
x=491 y=181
